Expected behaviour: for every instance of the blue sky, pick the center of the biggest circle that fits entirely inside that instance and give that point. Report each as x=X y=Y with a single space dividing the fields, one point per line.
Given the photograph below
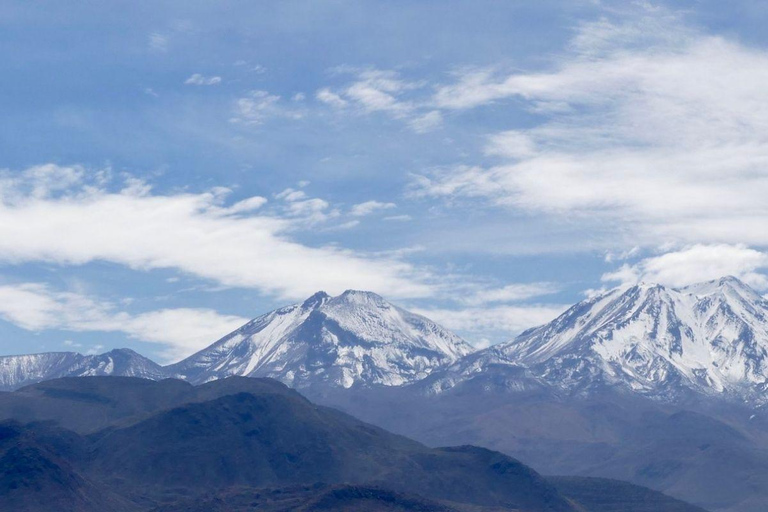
x=172 y=169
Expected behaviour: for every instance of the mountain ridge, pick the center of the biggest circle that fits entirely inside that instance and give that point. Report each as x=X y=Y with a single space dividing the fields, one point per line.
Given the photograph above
x=356 y=338
x=708 y=338
x=21 y=370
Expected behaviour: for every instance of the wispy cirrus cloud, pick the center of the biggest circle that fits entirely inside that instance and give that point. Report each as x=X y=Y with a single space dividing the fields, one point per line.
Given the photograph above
x=369 y=207
x=257 y=106
x=372 y=90
x=647 y=129
x=487 y=315
x=383 y=91
x=488 y=325
x=514 y=292
x=198 y=79
x=329 y=97
x=69 y=216
x=158 y=42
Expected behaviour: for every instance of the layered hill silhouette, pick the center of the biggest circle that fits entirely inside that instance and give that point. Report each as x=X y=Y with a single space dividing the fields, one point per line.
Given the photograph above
x=240 y=444
x=715 y=457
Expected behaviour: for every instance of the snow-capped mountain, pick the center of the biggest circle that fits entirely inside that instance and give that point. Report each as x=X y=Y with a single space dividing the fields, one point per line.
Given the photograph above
x=356 y=338
x=19 y=371
x=709 y=338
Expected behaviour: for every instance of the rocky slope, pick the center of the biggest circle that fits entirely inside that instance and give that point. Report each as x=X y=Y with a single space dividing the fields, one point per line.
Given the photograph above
x=710 y=339
x=356 y=338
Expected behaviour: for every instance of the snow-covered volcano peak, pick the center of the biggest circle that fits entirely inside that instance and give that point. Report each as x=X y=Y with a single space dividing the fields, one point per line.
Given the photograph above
x=356 y=338
x=726 y=287
x=358 y=296
x=316 y=300
x=710 y=337
x=356 y=301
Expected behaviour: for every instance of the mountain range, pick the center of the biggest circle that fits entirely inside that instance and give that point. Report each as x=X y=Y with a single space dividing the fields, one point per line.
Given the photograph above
x=18 y=371
x=356 y=338
x=660 y=386
x=666 y=343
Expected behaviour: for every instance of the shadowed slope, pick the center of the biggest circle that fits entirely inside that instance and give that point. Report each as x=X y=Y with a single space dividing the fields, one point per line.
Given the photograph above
x=250 y=433
x=269 y=440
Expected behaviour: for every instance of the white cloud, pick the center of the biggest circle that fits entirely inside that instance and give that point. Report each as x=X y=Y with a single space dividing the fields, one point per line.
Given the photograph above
x=344 y=226
x=36 y=307
x=311 y=210
x=331 y=98
x=610 y=257
x=96 y=349
x=474 y=88
x=193 y=233
x=461 y=180
x=254 y=68
x=383 y=91
x=158 y=42
x=369 y=207
x=484 y=318
x=427 y=122
x=512 y=293
x=482 y=343
x=511 y=144
x=40 y=181
x=695 y=264
x=376 y=91
x=182 y=330
x=257 y=106
x=399 y=218
x=502 y=322
x=302 y=208
x=247 y=205
x=291 y=194
x=648 y=130
x=198 y=79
